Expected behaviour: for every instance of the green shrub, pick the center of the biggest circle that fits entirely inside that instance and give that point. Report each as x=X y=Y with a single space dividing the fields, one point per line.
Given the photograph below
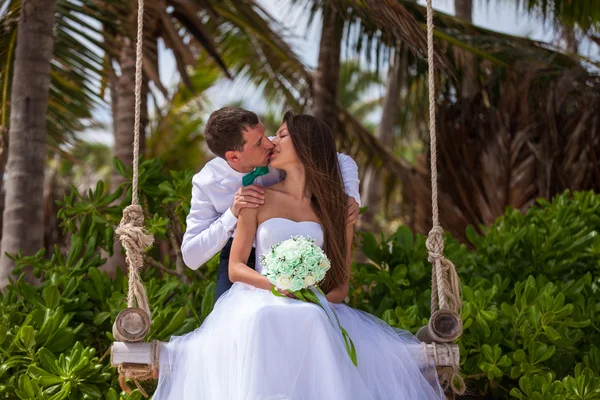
x=531 y=297
x=55 y=336
x=530 y=289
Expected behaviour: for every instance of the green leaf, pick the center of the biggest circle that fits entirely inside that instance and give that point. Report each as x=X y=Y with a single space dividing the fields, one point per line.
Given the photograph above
x=551 y=333
x=111 y=394
x=25 y=387
x=508 y=310
x=120 y=167
x=486 y=350
x=13 y=362
x=399 y=273
x=27 y=336
x=101 y=317
x=51 y=296
x=75 y=249
x=64 y=392
x=49 y=361
x=371 y=248
x=520 y=356
x=30 y=294
x=404 y=237
x=61 y=340
x=208 y=300
x=416 y=270
x=90 y=390
x=175 y=323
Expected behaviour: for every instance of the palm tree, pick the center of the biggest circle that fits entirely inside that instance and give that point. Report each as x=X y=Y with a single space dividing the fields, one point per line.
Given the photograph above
x=176 y=129
x=511 y=110
x=463 y=9
x=372 y=188
x=190 y=29
x=354 y=85
x=23 y=218
x=76 y=65
x=326 y=81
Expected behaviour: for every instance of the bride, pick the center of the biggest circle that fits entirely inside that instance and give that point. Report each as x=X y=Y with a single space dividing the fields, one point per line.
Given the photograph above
x=257 y=346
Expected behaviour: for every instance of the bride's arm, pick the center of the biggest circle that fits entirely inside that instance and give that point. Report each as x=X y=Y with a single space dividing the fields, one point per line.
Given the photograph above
x=338 y=294
x=240 y=251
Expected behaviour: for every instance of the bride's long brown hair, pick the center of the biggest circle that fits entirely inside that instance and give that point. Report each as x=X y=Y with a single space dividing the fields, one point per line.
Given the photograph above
x=316 y=149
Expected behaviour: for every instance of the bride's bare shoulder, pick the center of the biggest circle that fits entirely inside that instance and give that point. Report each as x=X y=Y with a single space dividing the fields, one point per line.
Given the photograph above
x=274 y=191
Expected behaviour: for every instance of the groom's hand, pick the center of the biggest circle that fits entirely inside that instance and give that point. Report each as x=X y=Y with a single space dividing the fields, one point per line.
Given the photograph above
x=250 y=196
x=353 y=211
x=286 y=293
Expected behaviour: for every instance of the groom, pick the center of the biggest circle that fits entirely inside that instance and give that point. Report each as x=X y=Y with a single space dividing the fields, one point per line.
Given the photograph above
x=233 y=181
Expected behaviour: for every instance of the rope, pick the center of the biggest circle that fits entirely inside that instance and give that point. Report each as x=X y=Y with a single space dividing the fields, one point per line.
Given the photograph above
x=135 y=240
x=453 y=379
x=445 y=290
x=140 y=372
x=132 y=234
x=138 y=99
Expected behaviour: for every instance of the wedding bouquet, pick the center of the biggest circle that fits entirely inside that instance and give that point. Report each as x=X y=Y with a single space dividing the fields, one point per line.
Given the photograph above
x=298 y=265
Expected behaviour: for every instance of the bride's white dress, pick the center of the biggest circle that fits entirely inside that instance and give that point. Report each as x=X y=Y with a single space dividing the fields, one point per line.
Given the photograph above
x=256 y=346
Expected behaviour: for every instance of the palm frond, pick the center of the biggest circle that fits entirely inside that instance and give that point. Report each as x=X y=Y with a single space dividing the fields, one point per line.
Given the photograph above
x=584 y=14
x=76 y=66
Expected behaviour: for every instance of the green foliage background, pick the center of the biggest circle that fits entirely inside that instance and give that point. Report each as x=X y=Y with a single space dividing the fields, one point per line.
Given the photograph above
x=531 y=301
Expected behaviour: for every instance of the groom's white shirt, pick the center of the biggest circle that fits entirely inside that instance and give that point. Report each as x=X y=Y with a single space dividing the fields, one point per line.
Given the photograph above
x=211 y=223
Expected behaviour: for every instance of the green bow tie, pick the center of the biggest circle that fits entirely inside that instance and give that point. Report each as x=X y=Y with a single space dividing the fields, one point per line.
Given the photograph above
x=248 y=179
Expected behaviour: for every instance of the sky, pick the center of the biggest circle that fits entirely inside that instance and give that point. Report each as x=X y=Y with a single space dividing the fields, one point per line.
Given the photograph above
x=497 y=15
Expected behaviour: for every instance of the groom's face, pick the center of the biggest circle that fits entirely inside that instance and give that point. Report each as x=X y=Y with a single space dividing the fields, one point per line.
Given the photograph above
x=257 y=149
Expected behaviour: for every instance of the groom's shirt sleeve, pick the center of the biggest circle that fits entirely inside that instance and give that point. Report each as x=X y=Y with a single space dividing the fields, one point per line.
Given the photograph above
x=349 y=171
x=207 y=229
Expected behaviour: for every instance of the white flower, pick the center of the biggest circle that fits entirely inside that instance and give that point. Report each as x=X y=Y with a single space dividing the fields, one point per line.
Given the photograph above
x=325 y=264
x=283 y=282
x=309 y=280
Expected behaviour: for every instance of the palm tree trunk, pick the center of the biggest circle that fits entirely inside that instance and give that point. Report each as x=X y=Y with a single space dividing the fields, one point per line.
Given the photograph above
x=463 y=9
x=569 y=39
x=325 y=84
x=125 y=110
x=373 y=186
x=23 y=217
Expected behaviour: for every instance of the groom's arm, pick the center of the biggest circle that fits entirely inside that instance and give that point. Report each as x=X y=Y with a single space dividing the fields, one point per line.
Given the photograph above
x=349 y=171
x=207 y=230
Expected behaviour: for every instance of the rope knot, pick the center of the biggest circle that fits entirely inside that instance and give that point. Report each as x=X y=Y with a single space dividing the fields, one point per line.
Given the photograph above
x=133 y=236
x=135 y=240
x=445 y=289
x=435 y=243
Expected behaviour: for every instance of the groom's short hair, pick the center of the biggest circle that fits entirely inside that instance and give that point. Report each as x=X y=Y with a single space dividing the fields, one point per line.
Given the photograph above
x=225 y=127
